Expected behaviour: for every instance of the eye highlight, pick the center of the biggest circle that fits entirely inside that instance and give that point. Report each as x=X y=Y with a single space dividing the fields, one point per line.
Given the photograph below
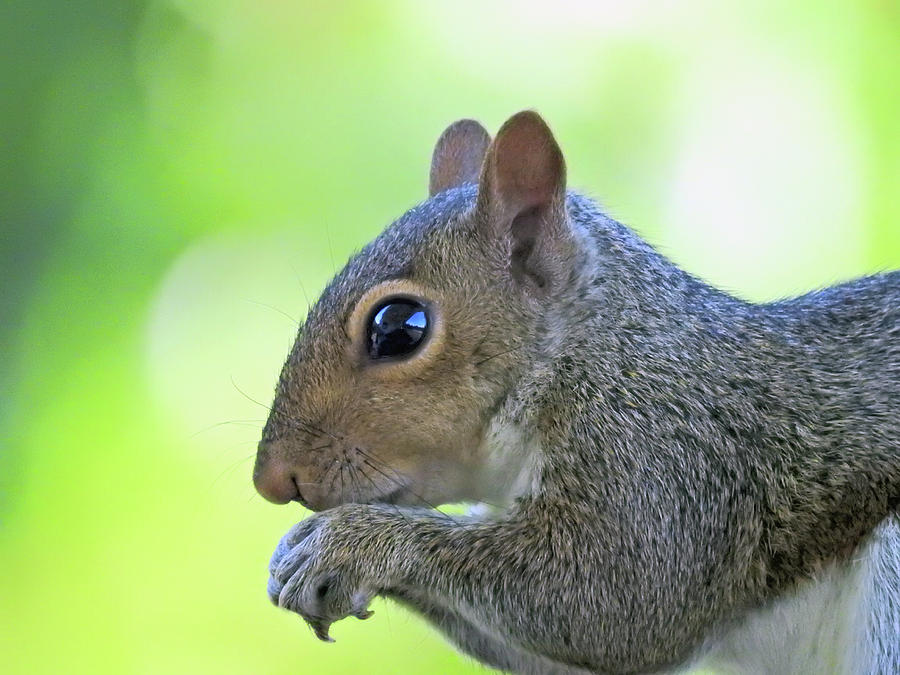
x=397 y=328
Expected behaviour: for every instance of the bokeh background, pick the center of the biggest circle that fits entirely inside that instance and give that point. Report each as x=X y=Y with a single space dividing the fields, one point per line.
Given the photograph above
x=179 y=179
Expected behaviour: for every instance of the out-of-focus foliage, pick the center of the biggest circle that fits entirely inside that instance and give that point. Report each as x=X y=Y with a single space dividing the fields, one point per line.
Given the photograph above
x=178 y=176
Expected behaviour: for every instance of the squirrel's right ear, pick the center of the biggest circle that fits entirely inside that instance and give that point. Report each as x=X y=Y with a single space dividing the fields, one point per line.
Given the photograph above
x=457 y=156
x=521 y=205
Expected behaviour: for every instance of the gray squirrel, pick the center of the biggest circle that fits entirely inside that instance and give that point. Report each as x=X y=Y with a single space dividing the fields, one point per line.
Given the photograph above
x=671 y=476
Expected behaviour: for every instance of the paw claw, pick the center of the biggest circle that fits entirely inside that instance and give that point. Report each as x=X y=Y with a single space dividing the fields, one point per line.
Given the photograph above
x=364 y=614
x=321 y=631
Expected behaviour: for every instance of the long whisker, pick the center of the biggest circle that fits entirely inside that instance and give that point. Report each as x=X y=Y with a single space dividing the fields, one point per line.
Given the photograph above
x=300 y=283
x=307 y=427
x=354 y=493
x=484 y=337
x=404 y=484
x=230 y=468
x=334 y=475
x=330 y=250
x=401 y=478
x=248 y=397
x=272 y=411
x=274 y=309
x=371 y=455
x=377 y=490
x=368 y=478
x=241 y=423
x=314 y=483
x=494 y=356
x=390 y=478
x=357 y=488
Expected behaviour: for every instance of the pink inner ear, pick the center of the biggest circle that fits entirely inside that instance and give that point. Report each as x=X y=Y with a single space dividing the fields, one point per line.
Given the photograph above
x=528 y=165
x=521 y=200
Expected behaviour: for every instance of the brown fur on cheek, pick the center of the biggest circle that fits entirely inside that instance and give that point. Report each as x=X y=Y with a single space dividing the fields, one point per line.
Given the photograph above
x=416 y=434
x=405 y=430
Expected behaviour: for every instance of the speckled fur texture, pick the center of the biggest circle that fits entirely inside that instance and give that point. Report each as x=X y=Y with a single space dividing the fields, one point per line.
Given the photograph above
x=667 y=461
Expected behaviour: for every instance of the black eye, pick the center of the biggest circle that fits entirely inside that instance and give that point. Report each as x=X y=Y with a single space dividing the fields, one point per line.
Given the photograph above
x=397 y=328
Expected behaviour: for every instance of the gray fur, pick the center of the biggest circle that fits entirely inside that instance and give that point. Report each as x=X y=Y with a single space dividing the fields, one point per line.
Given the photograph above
x=693 y=458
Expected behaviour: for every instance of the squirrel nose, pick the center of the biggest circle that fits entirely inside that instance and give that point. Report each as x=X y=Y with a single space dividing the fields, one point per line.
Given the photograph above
x=274 y=478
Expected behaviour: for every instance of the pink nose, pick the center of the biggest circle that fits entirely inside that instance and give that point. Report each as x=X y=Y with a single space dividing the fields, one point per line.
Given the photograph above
x=274 y=478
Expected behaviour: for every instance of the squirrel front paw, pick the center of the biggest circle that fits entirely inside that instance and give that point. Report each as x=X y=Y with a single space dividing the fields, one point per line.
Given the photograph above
x=315 y=572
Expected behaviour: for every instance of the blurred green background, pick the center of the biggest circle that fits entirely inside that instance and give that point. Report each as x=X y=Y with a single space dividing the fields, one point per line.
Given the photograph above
x=178 y=178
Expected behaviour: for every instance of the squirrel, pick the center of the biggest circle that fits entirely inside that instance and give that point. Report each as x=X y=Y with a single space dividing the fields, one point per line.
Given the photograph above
x=668 y=475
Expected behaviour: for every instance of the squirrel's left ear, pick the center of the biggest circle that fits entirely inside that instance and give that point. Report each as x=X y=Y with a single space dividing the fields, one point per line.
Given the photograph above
x=457 y=156
x=521 y=203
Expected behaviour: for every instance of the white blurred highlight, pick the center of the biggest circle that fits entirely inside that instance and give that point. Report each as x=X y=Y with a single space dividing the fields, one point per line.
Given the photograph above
x=765 y=191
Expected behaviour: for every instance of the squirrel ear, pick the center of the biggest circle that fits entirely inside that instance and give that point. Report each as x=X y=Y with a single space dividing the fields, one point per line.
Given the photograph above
x=522 y=201
x=458 y=155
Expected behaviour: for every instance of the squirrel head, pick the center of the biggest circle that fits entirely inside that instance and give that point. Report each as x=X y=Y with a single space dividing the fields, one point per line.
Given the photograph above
x=390 y=388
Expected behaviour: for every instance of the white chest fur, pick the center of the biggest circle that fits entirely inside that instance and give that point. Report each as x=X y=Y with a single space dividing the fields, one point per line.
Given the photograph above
x=511 y=466
x=845 y=623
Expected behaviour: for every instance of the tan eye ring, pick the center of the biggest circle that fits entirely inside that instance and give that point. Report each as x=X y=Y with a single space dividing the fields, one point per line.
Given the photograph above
x=396 y=326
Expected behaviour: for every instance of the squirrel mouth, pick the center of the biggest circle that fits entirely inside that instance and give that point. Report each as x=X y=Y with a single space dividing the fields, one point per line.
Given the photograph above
x=299 y=496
